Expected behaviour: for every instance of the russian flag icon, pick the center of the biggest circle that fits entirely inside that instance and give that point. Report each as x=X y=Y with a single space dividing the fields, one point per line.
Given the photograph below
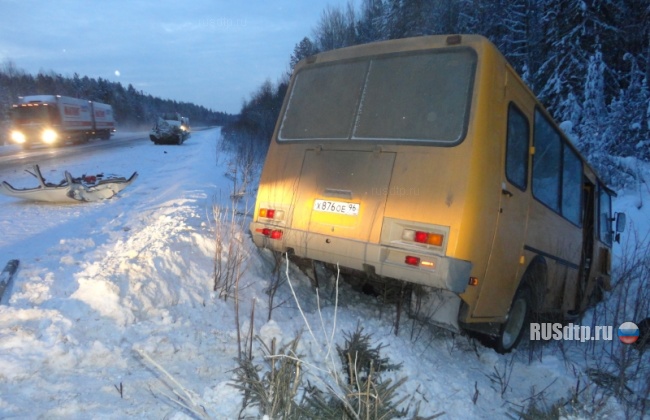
x=628 y=332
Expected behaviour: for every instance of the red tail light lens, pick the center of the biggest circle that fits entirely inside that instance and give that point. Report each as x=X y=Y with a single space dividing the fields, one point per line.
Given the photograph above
x=270 y=233
x=410 y=260
x=421 y=237
x=427 y=238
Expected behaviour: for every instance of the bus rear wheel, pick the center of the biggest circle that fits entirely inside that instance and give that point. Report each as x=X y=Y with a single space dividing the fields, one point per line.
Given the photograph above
x=512 y=330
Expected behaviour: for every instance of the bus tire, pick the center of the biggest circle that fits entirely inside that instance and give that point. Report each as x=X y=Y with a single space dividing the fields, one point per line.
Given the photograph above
x=511 y=331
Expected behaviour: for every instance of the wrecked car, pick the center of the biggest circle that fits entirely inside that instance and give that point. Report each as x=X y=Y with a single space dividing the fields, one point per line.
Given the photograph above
x=170 y=128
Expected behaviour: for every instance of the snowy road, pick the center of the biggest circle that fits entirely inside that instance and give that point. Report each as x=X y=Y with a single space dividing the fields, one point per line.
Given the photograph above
x=12 y=157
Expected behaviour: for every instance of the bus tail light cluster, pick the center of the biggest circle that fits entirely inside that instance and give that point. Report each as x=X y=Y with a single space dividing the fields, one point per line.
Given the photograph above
x=272 y=214
x=270 y=233
x=422 y=237
x=419 y=262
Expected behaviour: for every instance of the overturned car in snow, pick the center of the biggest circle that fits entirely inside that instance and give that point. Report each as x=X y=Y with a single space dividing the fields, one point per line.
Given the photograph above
x=170 y=128
x=86 y=188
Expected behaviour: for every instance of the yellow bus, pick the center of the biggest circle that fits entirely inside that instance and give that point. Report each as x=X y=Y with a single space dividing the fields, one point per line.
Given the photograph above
x=429 y=161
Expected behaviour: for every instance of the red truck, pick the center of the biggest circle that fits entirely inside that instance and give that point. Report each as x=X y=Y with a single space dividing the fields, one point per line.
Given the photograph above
x=55 y=120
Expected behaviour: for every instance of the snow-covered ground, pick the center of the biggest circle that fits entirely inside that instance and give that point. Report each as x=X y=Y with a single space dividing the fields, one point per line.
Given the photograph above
x=114 y=299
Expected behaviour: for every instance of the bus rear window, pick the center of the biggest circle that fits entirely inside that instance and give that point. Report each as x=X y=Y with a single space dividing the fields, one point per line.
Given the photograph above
x=422 y=97
x=322 y=101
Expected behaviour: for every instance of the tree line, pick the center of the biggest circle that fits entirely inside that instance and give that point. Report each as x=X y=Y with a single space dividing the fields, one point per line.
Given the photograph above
x=132 y=107
x=587 y=60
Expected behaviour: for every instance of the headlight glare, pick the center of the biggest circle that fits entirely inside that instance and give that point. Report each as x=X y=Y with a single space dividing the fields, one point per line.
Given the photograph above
x=17 y=137
x=49 y=136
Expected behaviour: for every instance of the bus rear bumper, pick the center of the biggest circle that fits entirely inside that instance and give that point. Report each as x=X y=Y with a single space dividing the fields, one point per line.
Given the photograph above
x=436 y=271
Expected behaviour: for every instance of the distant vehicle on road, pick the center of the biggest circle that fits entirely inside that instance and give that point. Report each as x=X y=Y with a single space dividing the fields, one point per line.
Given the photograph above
x=56 y=120
x=170 y=128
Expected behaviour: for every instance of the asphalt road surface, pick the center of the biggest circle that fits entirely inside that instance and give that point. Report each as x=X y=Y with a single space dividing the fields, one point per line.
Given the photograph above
x=13 y=158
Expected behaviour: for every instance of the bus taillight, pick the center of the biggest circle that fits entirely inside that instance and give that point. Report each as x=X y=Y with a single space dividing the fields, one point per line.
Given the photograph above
x=270 y=233
x=410 y=260
x=271 y=214
x=419 y=262
x=421 y=237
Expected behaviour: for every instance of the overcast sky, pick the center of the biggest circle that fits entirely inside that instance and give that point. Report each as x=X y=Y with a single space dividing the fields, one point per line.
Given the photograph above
x=213 y=53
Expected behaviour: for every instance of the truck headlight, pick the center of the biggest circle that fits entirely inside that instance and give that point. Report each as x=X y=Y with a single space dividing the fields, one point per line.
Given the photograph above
x=17 y=137
x=49 y=136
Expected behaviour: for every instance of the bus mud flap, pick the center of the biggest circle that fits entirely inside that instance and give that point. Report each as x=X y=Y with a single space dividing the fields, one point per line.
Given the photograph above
x=436 y=306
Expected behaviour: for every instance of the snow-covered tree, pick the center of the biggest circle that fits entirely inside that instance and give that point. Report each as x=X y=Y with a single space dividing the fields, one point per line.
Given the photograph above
x=592 y=119
x=560 y=74
x=628 y=131
x=372 y=24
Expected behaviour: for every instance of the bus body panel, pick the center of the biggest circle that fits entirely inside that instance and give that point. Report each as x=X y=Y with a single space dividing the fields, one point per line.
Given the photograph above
x=332 y=176
x=355 y=202
x=501 y=277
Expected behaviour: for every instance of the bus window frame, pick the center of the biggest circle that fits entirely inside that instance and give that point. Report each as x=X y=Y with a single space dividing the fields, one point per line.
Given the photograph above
x=567 y=147
x=609 y=237
x=469 y=109
x=564 y=144
x=539 y=112
x=512 y=106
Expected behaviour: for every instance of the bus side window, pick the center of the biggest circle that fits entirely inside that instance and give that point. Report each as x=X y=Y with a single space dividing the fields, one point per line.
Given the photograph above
x=547 y=163
x=604 y=216
x=571 y=186
x=517 y=148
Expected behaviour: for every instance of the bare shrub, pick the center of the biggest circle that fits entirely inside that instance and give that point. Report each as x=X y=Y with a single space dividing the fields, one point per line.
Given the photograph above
x=173 y=392
x=500 y=378
x=231 y=251
x=276 y=280
x=584 y=401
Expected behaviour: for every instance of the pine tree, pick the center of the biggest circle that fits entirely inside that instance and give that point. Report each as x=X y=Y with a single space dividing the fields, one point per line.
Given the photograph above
x=395 y=20
x=303 y=49
x=593 y=116
x=372 y=23
x=628 y=131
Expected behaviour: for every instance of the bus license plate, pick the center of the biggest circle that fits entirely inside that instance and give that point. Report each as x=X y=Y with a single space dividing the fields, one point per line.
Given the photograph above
x=337 y=207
